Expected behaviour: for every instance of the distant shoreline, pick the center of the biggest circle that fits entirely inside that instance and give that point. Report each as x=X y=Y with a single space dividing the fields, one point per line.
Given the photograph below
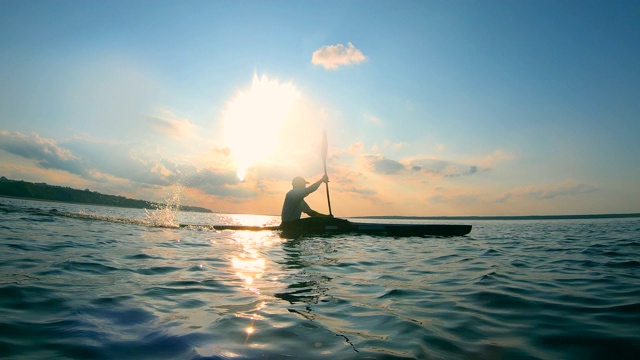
x=154 y=207
x=18 y=189
x=526 y=217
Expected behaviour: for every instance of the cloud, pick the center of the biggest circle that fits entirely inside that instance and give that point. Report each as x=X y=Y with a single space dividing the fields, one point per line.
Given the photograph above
x=382 y=165
x=357 y=190
x=46 y=153
x=225 y=184
x=564 y=189
x=103 y=161
x=495 y=157
x=431 y=167
x=331 y=57
x=442 y=167
x=453 y=199
x=504 y=198
x=392 y=145
x=177 y=129
x=126 y=160
x=356 y=147
x=547 y=192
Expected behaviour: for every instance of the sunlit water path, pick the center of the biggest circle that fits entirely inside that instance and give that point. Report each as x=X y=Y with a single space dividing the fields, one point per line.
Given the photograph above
x=87 y=282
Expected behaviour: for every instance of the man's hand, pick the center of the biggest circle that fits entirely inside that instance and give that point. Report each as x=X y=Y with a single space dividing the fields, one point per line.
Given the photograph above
x=325 y=179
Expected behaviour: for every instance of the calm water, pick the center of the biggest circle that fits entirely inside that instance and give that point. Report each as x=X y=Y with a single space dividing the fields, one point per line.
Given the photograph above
x=88 y=282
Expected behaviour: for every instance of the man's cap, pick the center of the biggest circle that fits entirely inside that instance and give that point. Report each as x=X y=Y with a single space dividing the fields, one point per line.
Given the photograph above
x=299 y=181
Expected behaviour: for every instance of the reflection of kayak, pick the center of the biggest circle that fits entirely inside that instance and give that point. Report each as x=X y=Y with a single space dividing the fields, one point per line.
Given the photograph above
x=329 y=226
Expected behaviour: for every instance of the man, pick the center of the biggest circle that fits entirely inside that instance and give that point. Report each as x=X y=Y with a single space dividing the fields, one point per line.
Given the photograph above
x=294 y=204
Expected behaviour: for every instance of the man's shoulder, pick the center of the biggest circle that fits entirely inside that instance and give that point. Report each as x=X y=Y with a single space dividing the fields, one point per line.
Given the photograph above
x=297 y=192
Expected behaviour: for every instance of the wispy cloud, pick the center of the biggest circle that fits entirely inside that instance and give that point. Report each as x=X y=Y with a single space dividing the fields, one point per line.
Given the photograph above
x=358 y=190
x=177 y=129
x=494 y=158
x=356 y=147
x=331 y=57
x=547 y=192
x=453 y=199
x=395 y=145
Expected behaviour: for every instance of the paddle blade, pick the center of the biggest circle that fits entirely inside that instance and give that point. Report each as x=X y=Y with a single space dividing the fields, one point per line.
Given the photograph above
x=325 y=146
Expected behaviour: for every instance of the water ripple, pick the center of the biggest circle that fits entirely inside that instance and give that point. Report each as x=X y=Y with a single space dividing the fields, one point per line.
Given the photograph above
x=90 y=288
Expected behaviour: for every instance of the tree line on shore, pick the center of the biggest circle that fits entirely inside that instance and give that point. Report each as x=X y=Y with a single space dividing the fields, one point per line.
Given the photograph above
x=42 y=191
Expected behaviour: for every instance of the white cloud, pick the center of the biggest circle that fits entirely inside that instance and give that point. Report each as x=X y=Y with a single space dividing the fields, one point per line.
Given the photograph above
x=177 y=129
x=356 y=147
x=392 y=145
x=331 y=57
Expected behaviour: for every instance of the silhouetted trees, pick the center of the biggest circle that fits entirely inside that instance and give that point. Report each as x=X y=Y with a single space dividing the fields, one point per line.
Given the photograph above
x=42 y=191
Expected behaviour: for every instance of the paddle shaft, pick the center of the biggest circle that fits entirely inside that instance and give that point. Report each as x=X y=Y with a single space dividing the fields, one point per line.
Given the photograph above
x=325 y=148
x=327 y=187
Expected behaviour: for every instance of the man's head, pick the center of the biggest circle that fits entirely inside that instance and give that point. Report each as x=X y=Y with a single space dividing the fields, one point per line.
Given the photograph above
x=299 y=182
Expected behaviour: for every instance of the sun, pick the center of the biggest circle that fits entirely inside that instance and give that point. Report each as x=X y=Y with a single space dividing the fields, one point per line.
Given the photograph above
x=254 y=118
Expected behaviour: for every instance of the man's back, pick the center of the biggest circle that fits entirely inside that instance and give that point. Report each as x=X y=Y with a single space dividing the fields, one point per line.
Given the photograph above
x=294 y=204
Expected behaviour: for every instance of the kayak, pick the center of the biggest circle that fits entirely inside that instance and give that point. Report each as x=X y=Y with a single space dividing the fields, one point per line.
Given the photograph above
x=333 y=226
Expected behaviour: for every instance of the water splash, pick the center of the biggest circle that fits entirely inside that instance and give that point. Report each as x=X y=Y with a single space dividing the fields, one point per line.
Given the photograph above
x=165 y=214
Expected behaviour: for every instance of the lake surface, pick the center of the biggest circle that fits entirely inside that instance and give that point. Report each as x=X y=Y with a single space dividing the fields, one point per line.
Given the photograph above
x=89 y=282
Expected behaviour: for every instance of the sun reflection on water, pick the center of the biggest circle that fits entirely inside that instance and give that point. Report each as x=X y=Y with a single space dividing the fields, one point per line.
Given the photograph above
x=250 y=265
x=250 y=220
x=249 y=270
x=249 y=330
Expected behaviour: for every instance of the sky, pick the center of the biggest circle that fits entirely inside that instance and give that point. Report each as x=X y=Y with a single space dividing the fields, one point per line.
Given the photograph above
x=430 y=108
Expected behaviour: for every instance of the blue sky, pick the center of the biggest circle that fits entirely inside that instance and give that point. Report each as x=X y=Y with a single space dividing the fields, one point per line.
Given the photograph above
x=430 y=107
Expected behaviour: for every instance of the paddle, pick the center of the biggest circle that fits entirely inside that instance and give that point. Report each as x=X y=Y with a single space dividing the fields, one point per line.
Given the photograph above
x=325 y=148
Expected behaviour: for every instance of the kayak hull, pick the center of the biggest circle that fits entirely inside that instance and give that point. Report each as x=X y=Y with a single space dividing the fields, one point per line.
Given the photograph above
x=334 y=226
x=341 y=226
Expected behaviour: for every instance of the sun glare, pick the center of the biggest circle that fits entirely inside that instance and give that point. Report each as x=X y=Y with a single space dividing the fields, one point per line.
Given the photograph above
x=254 y=118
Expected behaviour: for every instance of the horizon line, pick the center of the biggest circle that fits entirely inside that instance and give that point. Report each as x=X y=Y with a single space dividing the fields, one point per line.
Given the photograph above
x=507 y=217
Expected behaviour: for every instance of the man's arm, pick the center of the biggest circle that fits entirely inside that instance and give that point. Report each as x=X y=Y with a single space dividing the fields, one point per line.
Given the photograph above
x=313 y=187
x=314 y=213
